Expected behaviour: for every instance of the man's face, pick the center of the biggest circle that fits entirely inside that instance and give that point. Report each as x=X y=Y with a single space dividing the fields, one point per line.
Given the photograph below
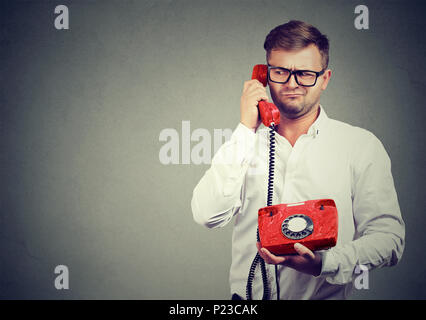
x=292 y=99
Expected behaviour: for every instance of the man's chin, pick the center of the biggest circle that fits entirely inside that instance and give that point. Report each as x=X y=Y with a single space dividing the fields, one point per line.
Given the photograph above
x=291 y=111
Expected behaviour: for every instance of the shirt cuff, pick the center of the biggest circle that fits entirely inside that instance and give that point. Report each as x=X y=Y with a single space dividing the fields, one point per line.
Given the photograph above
x=243 y=130
x=239 y=150
x=330 y=266
x=246 y=139
x=246 y=128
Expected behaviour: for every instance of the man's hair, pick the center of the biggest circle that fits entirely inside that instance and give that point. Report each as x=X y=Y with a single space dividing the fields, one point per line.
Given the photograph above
x=297 y=35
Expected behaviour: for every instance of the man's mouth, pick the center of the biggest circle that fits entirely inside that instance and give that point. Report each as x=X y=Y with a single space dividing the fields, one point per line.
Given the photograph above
x=292 y=95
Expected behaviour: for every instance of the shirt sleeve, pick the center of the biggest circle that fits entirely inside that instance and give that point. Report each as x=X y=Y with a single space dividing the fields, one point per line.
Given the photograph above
x=218 y=195
x=380 y=230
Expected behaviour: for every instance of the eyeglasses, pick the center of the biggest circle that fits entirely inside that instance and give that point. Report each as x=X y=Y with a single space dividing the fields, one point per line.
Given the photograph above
x=305 y=78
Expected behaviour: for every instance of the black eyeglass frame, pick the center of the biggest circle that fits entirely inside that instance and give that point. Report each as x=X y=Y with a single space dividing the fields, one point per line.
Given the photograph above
x=291 y=72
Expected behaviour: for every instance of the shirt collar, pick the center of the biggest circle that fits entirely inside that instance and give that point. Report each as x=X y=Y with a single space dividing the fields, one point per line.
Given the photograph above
x=315 y=128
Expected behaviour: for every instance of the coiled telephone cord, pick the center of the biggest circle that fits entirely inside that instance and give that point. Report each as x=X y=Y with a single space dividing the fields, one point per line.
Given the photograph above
x=258 y=259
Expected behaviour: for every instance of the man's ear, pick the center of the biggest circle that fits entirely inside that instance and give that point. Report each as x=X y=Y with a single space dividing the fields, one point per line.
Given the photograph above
x=326 y=76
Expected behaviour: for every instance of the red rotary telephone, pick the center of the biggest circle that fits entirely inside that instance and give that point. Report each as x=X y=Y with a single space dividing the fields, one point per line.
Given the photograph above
x=312 y=223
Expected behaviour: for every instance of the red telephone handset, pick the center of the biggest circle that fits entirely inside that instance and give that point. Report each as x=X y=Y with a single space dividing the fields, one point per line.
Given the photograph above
x=268 y=111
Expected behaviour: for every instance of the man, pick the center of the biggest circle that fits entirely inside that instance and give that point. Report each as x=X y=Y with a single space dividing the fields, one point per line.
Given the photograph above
x=316 y=158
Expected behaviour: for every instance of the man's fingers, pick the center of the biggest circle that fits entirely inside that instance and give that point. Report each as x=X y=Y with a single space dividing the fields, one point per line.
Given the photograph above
x=304 y=251
x=268 y=256
x=271 y=258
x=258 y=95
x=252 y=83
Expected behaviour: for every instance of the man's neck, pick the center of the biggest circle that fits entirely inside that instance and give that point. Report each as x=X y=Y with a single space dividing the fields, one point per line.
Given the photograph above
x=292 y=129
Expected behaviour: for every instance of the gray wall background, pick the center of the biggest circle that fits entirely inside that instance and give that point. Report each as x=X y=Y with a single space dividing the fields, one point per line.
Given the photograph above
x=81 y=114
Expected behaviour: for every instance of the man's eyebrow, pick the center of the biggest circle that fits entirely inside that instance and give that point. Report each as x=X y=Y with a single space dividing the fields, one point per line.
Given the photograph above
x=301 y=67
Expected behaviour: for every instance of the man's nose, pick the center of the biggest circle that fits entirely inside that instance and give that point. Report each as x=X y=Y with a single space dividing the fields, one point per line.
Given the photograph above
x=291 y=83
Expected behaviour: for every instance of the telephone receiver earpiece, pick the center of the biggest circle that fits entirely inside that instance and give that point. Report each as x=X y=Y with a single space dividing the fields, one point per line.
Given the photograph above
x=260 y=72
x=269 y=113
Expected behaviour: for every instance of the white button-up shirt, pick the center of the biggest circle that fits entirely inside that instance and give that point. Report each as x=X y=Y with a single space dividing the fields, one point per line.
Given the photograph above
x=333 y=160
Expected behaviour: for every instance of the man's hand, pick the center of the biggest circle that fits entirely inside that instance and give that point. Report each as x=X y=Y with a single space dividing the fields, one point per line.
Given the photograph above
x=304 y=261
x=253 y=92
